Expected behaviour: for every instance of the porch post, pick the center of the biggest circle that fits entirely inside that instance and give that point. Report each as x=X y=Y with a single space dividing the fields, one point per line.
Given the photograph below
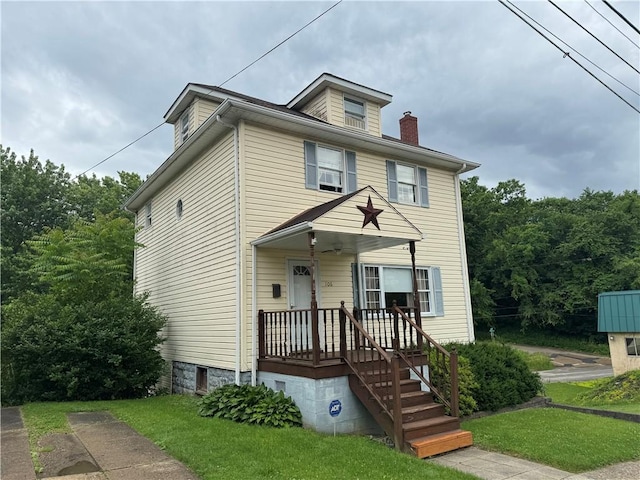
x=416 y=296
x=315 y=340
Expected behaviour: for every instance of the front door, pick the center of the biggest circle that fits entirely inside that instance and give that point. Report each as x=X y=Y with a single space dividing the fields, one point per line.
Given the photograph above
x=300 y=299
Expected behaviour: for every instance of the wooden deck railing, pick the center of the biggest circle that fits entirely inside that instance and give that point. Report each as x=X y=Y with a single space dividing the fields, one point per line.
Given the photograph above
x=376 y=335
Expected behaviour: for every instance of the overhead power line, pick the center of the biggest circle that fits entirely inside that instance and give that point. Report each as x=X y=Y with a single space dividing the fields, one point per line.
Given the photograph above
x=559 y=39
x=597 y=39
x=211 y=90
x=621 y=16
x=568 y=55
x=609 y=22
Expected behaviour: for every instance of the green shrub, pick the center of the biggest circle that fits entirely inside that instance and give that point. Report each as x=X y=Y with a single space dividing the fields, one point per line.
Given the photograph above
x=247 y=404
x=503 y=378
x=608 y=390
x=58 y=351
x=467 y=384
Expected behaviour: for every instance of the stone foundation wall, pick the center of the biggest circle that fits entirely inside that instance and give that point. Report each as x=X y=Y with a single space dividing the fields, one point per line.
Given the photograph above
x=183 y=377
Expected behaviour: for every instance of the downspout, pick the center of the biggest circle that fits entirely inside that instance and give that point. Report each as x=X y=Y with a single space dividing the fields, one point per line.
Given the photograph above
x=254 y=316
x=239 y=296
x=463 y=254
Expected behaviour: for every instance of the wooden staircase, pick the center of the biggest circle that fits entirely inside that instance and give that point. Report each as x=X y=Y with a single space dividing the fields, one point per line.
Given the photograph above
x=426 y=429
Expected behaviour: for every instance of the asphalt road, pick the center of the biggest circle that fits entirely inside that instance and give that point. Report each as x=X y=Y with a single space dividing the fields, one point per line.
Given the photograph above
x=571 y=366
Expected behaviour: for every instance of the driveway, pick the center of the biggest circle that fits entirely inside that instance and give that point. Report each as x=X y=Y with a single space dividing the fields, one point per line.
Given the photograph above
x=571 y=366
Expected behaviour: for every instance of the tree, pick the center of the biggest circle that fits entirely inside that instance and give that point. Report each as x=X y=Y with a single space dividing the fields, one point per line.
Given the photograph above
x=86 y=337
x=32 y=197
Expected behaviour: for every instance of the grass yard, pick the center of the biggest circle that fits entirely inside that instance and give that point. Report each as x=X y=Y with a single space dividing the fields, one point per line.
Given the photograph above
x=215 y=448
x=536 y=361
x=541 y=338
x=568 y=394
x=570 y=441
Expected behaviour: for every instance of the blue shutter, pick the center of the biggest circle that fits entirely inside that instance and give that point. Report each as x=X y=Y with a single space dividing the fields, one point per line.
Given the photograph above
x=423 y=187
x=352 y=180
x=311 y=165
x=437 y=291
x=392 y=181
x=356 y=285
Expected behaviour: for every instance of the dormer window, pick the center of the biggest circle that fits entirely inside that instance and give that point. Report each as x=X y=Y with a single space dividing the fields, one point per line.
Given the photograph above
x=184 y=125
x=354 y=113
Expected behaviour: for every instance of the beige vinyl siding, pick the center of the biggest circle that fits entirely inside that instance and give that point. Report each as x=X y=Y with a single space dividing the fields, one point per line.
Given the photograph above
x=188 y=265
x=274 y=191
x=318 y=106
x=374 y=122
x=203 y=110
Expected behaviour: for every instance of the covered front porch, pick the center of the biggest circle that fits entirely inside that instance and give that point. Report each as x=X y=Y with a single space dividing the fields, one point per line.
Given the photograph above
x=392 y=365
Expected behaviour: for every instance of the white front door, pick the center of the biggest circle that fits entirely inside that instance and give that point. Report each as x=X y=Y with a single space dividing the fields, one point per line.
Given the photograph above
x=300 y=299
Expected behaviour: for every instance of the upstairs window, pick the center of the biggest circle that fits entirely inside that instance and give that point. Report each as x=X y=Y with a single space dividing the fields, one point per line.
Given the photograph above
x=354 y=113
x=184 y=125
x=407 y=184
x=330 y=169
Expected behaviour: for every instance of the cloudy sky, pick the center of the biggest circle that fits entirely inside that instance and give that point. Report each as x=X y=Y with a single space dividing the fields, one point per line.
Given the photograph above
x=80 y=80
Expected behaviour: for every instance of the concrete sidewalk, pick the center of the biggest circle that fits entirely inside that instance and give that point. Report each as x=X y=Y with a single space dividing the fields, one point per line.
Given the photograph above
x=100 y=448
x=496 y=466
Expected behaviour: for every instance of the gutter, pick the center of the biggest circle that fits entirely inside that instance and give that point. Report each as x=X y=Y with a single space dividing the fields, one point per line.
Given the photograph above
x=463 y=255
x=238 y=261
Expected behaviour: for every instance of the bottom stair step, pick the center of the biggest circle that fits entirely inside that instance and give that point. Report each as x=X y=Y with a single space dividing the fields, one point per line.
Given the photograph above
x=441 y=443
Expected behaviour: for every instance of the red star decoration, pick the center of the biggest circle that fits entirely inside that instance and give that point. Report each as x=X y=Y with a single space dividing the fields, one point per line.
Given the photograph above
x=370 y=214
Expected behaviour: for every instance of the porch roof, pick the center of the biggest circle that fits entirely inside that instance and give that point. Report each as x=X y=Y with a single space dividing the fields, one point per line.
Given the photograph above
x=341 y=225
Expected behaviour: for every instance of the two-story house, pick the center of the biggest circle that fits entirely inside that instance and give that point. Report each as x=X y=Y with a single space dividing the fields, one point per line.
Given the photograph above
x=297 y=246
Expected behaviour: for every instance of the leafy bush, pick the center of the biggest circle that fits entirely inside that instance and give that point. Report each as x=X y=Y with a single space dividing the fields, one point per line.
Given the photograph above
x=502 y=376
x=466 y=382
x=58 y=351
x=247 y=404
x=608 y=390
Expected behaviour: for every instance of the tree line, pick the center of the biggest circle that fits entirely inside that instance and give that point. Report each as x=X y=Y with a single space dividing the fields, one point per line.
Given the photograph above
x=540 y=264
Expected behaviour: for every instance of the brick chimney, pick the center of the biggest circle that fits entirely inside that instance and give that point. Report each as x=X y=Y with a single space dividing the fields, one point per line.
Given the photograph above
x=409 y=129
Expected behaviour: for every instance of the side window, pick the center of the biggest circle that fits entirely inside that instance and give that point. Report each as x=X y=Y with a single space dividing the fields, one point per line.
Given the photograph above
x=633 y=346
x=354 y=113
x=407 y=184
x=184 y=125
x=147 y=220
x=329 y=169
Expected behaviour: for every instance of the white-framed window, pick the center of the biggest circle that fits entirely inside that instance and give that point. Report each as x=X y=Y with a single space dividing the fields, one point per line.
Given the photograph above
x=330 y=168
x=633 y=346
x=147 y=215
x=184 y=125
x=355 y=113
x=407 y=184
x=385 y=284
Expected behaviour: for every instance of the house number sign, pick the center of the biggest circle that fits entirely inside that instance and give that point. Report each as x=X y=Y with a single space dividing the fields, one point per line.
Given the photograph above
x=335 y=407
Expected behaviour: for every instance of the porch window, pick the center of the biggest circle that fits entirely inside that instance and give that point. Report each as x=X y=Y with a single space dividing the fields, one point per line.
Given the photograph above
x=329 y=168
x=633 y=346
x=407 y=184
x=384 y=284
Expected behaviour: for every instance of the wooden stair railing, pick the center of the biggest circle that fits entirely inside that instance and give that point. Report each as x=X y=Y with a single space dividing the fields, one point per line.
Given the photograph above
x=383 y=382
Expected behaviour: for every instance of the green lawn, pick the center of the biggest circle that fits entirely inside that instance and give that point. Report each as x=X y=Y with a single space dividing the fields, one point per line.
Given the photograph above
x=570 y=441
x=536 y=361
x=567 y=393
x=215 y=448
x=542 y=338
